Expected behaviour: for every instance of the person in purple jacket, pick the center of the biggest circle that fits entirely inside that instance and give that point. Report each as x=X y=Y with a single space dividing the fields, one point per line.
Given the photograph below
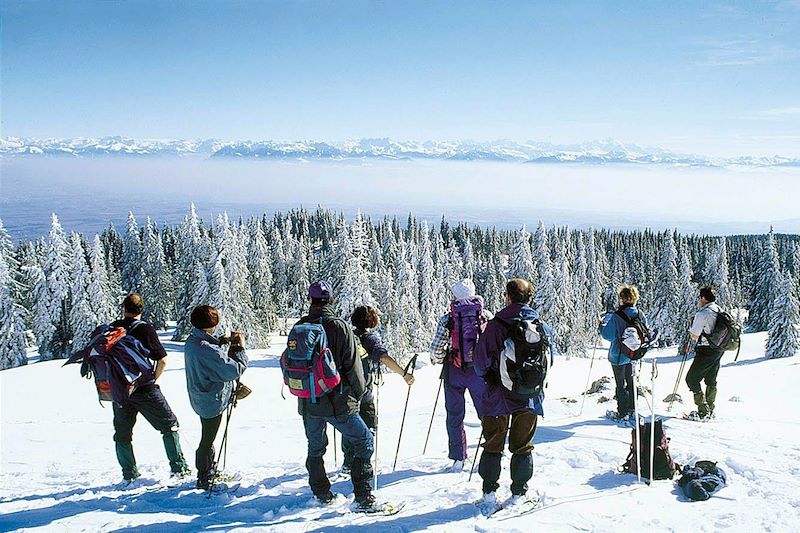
x=503 y=412
x=373 y=353
x=457 y=364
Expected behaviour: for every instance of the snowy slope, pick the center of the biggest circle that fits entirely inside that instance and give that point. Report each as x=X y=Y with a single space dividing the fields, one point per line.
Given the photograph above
x=59 y=470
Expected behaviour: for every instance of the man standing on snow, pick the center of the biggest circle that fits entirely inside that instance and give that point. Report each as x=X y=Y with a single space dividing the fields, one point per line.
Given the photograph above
x=339 y=407
x=146 y=399
x=505 y=413
x=453 y=345
x=705 y=365
x=211 y=379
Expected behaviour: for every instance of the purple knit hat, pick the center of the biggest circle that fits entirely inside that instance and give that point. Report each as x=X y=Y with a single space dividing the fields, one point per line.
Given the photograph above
x=320 y=290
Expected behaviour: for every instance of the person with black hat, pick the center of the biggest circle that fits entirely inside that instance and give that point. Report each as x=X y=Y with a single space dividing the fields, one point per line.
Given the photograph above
x=338 y=407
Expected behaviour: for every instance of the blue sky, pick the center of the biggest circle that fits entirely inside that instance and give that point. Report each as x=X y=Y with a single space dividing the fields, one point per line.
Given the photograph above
x=705 y=77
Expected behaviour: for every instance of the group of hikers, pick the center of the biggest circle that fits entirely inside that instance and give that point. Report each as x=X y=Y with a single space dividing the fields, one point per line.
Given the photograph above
x=331 y=366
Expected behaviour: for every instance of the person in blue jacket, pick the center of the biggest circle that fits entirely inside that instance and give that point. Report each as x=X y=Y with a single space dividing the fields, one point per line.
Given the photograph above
x=612 y=327
x=211 y=375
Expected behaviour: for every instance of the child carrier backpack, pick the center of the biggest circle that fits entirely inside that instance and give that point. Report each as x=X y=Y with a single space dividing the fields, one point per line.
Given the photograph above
x=309 y=369
x=524 y=360
x=663 y=465
x=726 y=334
x=636 y=338
x=117 y=361
x=465 y=328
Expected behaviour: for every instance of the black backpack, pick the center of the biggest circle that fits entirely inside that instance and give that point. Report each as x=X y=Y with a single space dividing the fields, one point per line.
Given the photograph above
x=636 y=338
x=663 y=465
x=524 y=360
x=726 y=334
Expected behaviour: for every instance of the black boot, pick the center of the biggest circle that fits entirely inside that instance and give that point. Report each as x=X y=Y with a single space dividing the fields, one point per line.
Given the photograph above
x=489 y=470
x=521 y=472
x=361 y=476
x=318 y=478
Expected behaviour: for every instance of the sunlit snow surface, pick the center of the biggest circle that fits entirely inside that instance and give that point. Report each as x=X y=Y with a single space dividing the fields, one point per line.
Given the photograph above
x=59 y=469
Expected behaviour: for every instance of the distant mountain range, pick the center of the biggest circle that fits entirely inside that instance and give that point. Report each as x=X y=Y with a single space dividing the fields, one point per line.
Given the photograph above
x=598 y=152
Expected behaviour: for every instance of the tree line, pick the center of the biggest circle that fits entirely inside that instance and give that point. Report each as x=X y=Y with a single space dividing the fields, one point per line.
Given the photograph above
x=56 y=289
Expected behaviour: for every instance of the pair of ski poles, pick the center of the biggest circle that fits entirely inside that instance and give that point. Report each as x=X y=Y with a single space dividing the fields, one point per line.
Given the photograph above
x=223 y=447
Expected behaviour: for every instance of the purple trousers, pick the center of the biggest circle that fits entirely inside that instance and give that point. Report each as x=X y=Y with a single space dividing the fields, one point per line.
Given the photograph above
x=456 y=382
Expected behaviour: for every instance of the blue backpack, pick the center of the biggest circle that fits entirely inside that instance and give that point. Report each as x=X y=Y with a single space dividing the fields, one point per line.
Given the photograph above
x=309 y=369
x=117 y=361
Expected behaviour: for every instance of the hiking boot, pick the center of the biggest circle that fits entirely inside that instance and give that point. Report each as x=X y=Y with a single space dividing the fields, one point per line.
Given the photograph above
x=700 y=402
x=181 y=474
x=457 y=466
x=325 y=498
x=366 y=502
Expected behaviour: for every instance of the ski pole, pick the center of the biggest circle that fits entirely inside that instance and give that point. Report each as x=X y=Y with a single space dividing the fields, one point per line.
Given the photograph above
x=635 y=393
x=378 y=383
x=477 y=450
x=435 y=403
x=223 y=447
x=678 y=380
x=410 y=366
x=589 y=377
x=653 y=376
x=335 y=454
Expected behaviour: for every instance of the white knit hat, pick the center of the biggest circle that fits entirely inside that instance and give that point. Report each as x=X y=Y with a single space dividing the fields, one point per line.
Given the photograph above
x=463 y=289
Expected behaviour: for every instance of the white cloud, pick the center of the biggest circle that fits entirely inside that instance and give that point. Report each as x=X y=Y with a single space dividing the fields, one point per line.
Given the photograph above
x=744 y=52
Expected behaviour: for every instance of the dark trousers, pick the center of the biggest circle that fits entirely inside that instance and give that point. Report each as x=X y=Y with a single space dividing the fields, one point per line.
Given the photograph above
x=705 y=367
x=623 y=377
x=204 y=457
x=352 y=427
x=370 y=418
x=150 y=402
x=522 y=426
x=456 y=382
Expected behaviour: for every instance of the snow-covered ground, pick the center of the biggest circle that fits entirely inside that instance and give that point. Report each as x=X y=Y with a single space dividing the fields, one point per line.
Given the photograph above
x=59 y=471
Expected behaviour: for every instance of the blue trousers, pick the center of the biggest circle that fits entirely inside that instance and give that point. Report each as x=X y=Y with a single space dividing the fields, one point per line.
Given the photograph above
x=360 y=437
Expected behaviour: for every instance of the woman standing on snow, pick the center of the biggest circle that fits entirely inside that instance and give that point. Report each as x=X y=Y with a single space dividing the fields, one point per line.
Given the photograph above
x=612 y=328
x=373 y=353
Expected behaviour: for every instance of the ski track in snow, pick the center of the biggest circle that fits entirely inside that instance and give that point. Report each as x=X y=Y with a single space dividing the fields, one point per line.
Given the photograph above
x=59 y=471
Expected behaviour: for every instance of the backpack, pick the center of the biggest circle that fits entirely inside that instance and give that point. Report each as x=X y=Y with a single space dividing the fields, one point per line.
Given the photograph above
x=663 y=465
x=524 y=360
x=701 y=480
x=726 y=334
x=117 y=361
x=465 y=328
x=307 y=363
x=636 y=338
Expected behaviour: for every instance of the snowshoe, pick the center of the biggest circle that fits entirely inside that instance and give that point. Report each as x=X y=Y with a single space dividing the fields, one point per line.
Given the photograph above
x=488 y=505
x=370 y=506
x=519 y=504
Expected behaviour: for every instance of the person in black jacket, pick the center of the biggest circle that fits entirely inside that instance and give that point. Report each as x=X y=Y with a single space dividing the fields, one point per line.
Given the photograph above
x=147 y=399
x=339 y=407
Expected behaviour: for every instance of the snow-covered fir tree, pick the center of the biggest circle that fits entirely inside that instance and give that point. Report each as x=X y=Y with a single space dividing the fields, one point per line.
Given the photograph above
x=101 y=296
x=82 y=319
x=563 y=312
x=664 y=311
x=426 y=273
x=784 y=327
x=56 y=274
x=190 y=276
x=687 y=304
x=157 y=285
x=12 y=323
x=544 y=297
x=521 y=263
x=131 y=271
x=259 y=263
x=765 y=285
x=716 y=272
